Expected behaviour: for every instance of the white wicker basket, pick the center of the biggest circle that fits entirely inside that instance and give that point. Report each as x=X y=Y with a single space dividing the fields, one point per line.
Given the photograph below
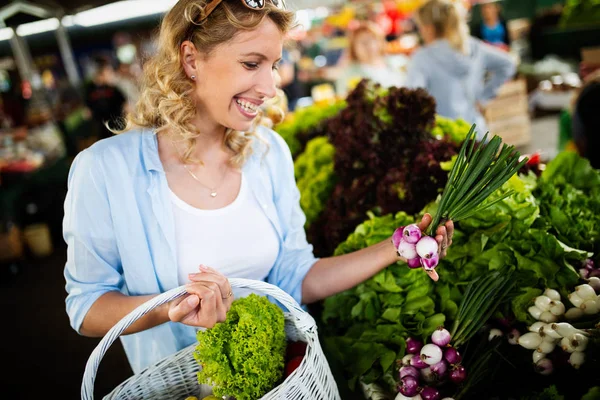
x=175 y=377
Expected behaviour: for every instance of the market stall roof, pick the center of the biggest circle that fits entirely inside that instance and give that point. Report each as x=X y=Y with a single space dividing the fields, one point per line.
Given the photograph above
x=34 y=10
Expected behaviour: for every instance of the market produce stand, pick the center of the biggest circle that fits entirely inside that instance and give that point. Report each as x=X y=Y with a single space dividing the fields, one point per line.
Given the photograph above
x=545 y=233
x=32 y=186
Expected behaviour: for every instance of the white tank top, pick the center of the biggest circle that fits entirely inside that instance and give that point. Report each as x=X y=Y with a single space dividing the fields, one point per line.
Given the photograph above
x=237 y=240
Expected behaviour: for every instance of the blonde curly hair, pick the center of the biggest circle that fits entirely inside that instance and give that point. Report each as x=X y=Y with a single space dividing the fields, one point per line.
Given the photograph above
x=165 y=102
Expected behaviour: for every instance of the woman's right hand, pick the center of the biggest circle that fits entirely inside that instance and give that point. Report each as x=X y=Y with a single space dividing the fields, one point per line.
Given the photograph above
x=208 y=300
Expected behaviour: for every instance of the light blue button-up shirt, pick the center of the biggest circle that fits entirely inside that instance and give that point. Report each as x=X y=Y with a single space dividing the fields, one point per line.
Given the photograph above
x=119 y=230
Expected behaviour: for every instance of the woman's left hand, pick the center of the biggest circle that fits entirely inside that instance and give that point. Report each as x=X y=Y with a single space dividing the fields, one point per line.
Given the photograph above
x=443 y=234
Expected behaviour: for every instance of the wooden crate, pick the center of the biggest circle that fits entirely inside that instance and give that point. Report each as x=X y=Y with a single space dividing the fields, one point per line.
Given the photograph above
x=515 y=130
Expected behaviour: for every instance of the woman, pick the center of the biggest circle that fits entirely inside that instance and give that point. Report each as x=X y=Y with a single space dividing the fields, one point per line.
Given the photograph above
x=367 y=59
x=195 y=182
x=454 y=67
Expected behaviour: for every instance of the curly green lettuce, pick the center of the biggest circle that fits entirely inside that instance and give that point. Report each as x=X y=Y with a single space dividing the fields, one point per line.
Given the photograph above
x=243 y=357
x=315 y=177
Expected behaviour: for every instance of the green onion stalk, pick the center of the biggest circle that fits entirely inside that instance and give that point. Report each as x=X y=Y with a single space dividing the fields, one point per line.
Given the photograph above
x=480 y=169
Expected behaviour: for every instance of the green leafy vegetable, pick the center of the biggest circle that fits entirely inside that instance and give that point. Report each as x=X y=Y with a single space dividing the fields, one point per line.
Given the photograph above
x=365 y=328
x=456 y=129
x=592 y=394
x=315 y=177
x=305 y=124
x=549 y=393
x=523 y=301
x=243 y=357
x=569 y=195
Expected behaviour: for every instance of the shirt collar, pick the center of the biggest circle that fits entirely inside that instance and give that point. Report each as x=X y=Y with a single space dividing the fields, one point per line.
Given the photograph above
x=150 y=151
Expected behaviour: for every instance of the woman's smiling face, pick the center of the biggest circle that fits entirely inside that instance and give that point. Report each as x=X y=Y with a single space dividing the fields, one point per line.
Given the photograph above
x=237 y=77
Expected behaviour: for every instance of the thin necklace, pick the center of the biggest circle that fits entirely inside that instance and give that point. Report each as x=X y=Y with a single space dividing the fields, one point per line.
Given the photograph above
x=212 y=190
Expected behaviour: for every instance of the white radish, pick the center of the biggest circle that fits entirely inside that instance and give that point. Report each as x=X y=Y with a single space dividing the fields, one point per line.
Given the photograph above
x=550 y=332
x=513 y=336
x=589 y=307
x=574 y=313
x=543 y=303
x=406 y=359
x=594 y=282
x=585 y=291
x=579 y=342
x=564 y=329
x=537 y=356
x=530 y=340
x=546 y=347
x=553 y=294
x=535 y=312
x=536 y=326
x=565 y=344
x=576 y=359
x=400 y=396
x=557 y=308
x=494 y=333
x=547 y=316
x=575 y=299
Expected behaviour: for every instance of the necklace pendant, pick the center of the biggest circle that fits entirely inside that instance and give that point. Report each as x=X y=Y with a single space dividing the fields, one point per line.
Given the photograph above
x=213 y=194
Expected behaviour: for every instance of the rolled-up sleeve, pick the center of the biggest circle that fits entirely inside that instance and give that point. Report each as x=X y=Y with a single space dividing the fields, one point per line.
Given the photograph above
x=296 y=255
x=93 y=264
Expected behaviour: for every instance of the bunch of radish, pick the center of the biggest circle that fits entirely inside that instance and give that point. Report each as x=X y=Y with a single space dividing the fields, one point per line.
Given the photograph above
x=419 y=250
x=548 y=335
x=426 y=366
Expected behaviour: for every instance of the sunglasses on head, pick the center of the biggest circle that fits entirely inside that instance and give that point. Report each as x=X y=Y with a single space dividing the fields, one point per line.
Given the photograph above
x=251 y=4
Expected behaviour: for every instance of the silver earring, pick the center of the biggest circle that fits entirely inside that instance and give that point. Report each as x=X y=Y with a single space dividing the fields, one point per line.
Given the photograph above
x=193 y=77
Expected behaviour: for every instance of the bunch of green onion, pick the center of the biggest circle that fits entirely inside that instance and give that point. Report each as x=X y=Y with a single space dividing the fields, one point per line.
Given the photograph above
x=480 y=169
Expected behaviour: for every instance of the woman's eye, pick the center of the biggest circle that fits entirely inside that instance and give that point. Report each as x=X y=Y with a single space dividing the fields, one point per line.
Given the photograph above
x=249 y=65
x=276 y=67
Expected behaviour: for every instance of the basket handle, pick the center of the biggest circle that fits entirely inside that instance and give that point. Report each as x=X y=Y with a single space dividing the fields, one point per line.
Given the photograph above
x=305 y=322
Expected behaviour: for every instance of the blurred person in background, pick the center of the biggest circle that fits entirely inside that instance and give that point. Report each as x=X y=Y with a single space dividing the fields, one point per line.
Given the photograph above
x=585 y=121
x=462 y=73
x=367 y=59
x=126 y=80
x=492 y=29
x=193 y=181
x=288 y=71
x=104 y=99
x=74 y=119
x=15 y=105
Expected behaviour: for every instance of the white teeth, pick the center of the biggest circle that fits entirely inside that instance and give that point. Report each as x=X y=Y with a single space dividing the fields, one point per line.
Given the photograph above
x=246 y=105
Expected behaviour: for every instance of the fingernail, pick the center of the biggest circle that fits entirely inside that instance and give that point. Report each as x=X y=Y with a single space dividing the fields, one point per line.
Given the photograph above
x=203 y=267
